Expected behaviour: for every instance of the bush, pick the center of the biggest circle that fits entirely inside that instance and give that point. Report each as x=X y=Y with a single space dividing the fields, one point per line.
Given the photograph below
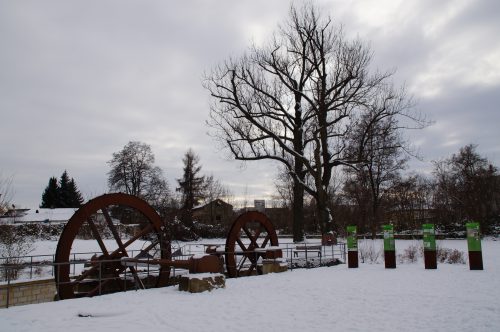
x=450 y=256
x=368 y=253
x=13 y=245
x=410 y=254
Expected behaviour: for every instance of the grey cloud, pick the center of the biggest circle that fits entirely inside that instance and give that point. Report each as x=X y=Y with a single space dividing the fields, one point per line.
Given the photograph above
x=80 y=79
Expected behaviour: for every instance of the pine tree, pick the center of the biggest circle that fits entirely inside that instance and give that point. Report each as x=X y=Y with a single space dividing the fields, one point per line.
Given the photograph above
x=62 y=194
x=64 y=191
x=191 y=186
x=50 y=196
x=75 y=197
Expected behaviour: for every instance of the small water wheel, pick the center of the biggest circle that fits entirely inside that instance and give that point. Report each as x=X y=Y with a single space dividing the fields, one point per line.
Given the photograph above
x=102 y=217
x=250 y=234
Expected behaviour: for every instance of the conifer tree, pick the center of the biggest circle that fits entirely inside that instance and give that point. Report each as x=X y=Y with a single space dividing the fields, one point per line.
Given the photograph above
x=191 y=186
x=75 y=197
x=50 y=196
x=62 y=194
x=64 y=191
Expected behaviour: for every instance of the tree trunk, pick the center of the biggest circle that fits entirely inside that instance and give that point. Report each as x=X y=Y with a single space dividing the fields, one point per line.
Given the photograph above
x=298 y=179
x=298 y=211
x=324 y=216
x=375 y=219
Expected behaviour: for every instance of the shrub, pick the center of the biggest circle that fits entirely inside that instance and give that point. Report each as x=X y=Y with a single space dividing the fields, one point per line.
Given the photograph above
x=410 y=254
x=450 y=256
x=13 y=245
x=368 y=253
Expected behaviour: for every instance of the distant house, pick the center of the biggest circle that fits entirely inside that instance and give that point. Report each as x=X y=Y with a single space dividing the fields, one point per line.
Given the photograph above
x=28 y=216
x=214 y=212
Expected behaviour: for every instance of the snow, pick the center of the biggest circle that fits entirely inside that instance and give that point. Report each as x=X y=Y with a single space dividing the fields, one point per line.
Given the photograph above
x=60 y=215
x=370 y=298
x=202 y=275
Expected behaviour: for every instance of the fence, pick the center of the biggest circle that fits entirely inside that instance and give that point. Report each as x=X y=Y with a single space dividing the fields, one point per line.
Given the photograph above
x=31 y=279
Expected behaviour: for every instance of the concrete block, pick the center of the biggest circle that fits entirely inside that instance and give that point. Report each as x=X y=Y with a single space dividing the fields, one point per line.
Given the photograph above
x=197 y=283
x=273 y=266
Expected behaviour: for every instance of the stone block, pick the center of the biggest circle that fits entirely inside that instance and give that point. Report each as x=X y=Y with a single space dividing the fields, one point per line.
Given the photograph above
x=273 y=266
x=197 y=283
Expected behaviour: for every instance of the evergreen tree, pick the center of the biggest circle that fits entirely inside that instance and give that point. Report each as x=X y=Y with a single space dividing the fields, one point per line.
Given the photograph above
x=191 y=186
x=50 y=196
x=75 y=197
x=64 y=191
x=62 y=194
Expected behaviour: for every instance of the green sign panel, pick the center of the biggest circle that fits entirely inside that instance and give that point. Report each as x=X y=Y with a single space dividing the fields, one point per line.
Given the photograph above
x=352 y=238
x=473 y=236
x=389 y=244
x=429 y=237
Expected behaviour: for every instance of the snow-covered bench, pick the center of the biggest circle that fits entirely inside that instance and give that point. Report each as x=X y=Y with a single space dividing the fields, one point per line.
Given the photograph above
x=307 y=249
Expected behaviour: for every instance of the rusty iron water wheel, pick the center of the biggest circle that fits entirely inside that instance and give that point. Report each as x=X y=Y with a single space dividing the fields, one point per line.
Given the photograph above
x=250 y=233
x=104 y=273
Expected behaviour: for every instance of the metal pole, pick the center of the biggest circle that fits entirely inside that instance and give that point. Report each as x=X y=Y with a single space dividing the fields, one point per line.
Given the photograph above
x=307 y=261
x=58 y=279
x=125 y=280
x=100 y=276
x=8 y=285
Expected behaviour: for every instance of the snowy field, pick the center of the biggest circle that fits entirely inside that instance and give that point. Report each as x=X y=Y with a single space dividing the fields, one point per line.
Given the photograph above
x=370 y=298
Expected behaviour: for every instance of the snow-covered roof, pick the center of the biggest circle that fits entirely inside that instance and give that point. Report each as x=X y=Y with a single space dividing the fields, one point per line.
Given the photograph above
x=219 y=201
x=40 y=215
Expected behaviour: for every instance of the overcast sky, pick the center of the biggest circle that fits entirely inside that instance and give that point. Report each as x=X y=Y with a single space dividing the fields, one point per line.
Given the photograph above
x=79 y=79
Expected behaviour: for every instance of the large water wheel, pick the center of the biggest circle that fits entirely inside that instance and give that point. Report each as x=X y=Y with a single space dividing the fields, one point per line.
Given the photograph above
x=250 y=235
x=105 y=217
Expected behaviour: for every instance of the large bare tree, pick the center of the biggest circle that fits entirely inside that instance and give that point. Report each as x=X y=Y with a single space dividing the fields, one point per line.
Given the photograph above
x=378 y=141
x=133 y=172
x=294 y=101
x=467 y=189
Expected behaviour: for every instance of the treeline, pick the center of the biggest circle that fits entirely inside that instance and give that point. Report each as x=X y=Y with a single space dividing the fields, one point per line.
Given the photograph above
x=464 y=187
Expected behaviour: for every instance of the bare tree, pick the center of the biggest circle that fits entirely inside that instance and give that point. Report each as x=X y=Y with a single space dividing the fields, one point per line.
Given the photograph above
x=378 y=140
x=295 y=101
x=468 y=188
x=214 y=189
x=6 y=193
x=411 y=202
x=133 y=172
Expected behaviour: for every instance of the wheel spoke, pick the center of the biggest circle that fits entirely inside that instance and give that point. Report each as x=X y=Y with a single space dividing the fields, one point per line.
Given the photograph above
x=97 y=236
x=112 y=227
x=240 y=264
x=143 y=232
x=266 y=240
x=242 y=246
x=251 y=237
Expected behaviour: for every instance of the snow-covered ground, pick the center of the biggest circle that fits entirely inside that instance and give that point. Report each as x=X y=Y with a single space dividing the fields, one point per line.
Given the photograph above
x=370 y=298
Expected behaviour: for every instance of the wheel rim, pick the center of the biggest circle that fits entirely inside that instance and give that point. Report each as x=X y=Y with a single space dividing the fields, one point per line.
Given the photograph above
x=250 y=231
x=97 y=215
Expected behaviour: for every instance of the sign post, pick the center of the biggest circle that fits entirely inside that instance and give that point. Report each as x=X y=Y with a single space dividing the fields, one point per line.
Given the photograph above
x=352 y=247
x=474 y=245
x=430 y=255
x=389 y=247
